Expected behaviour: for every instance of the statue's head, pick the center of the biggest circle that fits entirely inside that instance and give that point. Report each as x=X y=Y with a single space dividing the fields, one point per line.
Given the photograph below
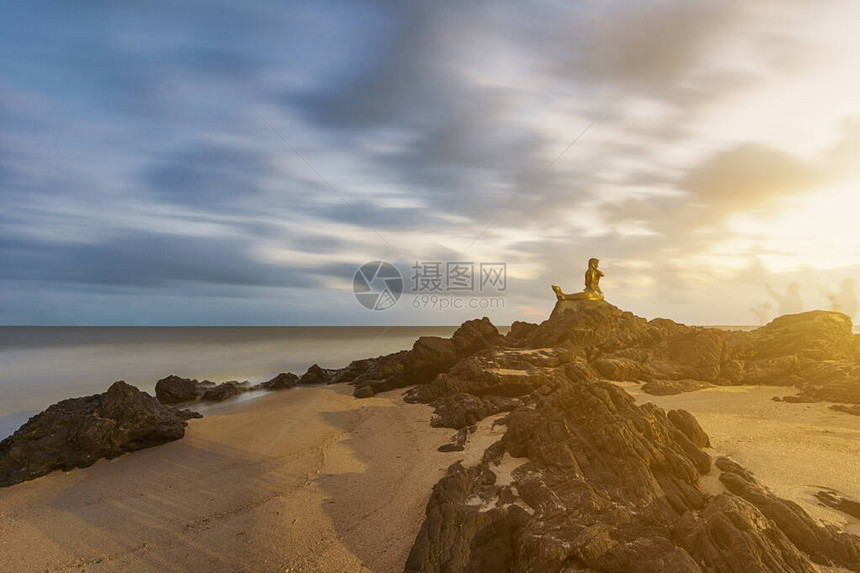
x=592 y=263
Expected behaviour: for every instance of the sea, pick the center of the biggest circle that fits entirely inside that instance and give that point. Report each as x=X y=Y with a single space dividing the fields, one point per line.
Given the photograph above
x=43 y=365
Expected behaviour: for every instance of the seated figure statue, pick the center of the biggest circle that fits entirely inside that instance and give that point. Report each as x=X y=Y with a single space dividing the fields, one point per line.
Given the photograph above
x=592 y=285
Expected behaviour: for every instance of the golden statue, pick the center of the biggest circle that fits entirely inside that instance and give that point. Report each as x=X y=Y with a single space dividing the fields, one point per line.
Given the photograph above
x=592 y=285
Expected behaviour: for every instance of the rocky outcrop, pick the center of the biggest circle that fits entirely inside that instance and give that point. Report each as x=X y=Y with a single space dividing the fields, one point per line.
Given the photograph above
x=429 y=356
x=225 y=390
x=519 y=331
x=317 y=375
x=668 y=387
x=75 y=433
x=282 y=381
x=462 y=409
x=824 y=544
x=177 y=390
x=474 y=336
x=684 y=421
x=605 y=485
x=853 y=410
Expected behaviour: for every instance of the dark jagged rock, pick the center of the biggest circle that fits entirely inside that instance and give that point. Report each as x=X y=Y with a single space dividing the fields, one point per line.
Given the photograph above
x=429 y=356
x=824 y=544
x=317 y=375
x=836 y=501
x=519 y=331
x=458 y=441
x=684 y=421
x=795 y=399
x=668 y=387
x=476 y=335
x=606 y=485
x=834 y=381
x=462 y=409
x=282 y=381
x=75 y=433
x=225 y=390
x=731 y=535
x=177 y=390
x=364 y=392
x=854 y=410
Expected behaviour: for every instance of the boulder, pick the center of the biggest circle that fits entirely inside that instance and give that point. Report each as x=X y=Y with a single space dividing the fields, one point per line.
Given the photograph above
x=363 y=392
x=317 y=375
x=687 y=423
x=225 y=390
x=74 y=433
x=667 y=387
x=282 y=381
x=519 y=331
x=430 y=355
x=462 y=409
x=475 y=335
x=176 y=390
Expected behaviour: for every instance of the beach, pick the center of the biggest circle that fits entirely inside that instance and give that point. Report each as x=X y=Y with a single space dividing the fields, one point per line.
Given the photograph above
x=795 y=450
x=312 y=479
x=309 y=479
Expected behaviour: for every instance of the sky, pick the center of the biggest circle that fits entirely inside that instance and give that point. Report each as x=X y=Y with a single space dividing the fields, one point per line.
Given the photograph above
x=232 y=163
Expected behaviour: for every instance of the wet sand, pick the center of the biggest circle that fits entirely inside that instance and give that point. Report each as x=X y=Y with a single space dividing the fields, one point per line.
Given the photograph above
x=304 y=480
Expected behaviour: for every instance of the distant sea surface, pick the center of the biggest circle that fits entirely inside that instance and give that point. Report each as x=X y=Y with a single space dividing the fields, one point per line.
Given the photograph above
x=43 y=365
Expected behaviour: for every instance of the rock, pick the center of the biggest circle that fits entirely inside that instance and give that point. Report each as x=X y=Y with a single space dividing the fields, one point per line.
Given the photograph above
x=316 y=375
x=282 y=381
x=729 y=535
x=816 y=335
x=824 y=544
x=363 y=392
x=607 y=485
x=618 y=368
x=834 y=381
x=684 y=421
x=458 y=441
x=225 y=390
x=430 y=355
x=475 y=335
x=75 y=433
x=836 y=501
x=463 y=409
x=794 y=399
x=519 y=331
x=176 y=390
x=855 y=410
x=668 y=387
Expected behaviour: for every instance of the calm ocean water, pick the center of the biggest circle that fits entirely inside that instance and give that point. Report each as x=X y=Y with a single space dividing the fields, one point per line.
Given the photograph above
x=42 y=365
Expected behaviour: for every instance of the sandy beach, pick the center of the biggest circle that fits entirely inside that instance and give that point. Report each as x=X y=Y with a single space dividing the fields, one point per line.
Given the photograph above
x=313 y=480
x=304 y=480
x=796 y=450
